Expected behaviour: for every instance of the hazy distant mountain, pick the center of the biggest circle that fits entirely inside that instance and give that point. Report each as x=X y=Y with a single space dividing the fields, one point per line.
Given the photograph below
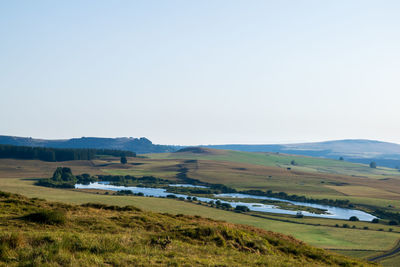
x=356 y=150
x=139 y=145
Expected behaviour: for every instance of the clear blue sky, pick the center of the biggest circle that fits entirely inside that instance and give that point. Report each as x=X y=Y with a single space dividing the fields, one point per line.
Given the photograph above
x=201 y=72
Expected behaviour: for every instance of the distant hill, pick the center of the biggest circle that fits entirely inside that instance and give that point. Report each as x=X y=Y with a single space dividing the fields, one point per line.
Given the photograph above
x=139 y=145
x=200 y=150
x=353 y=150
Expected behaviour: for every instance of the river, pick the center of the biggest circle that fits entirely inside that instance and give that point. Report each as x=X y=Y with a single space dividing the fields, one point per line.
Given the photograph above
x=331 y=212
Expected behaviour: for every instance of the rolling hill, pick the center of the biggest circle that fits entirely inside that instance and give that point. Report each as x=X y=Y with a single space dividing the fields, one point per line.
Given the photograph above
x=353 y=150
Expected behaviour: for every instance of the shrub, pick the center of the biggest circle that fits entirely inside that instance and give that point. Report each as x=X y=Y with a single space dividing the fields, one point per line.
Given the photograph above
x=226 y=206
x=242 y=208
x=393 y=223
x=4 y=194
x=52 y=217
x=376 y=220
x=125 y=192
x=353 y=219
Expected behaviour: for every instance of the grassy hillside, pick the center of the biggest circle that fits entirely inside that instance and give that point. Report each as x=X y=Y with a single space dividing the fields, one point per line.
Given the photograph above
x=37 y=232
x=19 y=176
x=318 y=232
x=303 y=163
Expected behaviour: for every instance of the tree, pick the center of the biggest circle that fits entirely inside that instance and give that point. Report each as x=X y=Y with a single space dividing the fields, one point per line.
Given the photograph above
x=293 y=162
x=124 y=160
x=375 y=220
x=63 y=174
x=372 y=165
x=341 y=158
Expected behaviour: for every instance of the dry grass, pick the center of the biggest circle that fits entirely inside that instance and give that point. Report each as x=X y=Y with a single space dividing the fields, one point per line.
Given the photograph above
x=109 y=235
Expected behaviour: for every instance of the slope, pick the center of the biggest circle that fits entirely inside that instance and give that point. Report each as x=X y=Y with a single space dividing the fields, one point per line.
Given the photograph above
x=37 y=232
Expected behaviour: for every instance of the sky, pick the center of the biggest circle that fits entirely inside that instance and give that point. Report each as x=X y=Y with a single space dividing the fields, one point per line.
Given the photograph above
x=201 y=72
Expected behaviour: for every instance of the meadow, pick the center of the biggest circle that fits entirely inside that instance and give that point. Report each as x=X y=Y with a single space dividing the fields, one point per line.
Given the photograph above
x=325 y=235
x=35 y=232
x=18 y=176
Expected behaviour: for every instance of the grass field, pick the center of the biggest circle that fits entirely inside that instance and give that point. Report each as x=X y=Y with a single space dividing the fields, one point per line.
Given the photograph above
x=303 y=163
x=35 y=232
x=16 y=176
x=390 y=262
x=321 y=236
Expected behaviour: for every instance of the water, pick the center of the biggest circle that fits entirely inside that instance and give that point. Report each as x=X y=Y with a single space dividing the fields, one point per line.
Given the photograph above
x=331 y=212
x=188 y=185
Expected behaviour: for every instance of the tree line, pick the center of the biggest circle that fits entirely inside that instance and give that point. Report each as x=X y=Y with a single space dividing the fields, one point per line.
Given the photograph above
x=58 y=154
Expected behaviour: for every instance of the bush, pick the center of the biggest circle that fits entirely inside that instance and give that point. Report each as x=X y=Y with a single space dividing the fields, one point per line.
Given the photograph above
x=376 y=220
x=124 y=192
x=353 y=219
x=242 y=208
x=52 y=217
x=226 y=206
x=393 y=223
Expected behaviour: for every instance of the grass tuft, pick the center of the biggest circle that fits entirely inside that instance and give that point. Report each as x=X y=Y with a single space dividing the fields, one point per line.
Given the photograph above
x=51 y=217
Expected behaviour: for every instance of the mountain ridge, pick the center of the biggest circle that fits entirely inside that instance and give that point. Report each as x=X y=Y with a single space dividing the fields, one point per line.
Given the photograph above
x=140 y=145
